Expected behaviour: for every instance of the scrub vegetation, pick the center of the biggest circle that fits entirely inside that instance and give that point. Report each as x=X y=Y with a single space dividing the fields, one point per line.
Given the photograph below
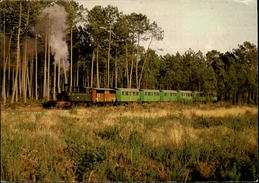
x=137 y=142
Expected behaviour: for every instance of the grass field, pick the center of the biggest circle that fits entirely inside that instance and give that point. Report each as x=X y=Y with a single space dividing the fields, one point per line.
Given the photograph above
x=138 y=142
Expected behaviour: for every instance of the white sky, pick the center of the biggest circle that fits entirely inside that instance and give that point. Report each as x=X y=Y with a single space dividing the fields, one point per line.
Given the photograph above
x=197 y=24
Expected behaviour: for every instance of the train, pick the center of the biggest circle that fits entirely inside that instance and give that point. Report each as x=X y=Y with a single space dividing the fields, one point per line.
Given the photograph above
x=101 y=96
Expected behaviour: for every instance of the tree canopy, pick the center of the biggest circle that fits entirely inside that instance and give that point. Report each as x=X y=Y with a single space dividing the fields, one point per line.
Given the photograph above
x=104 y=47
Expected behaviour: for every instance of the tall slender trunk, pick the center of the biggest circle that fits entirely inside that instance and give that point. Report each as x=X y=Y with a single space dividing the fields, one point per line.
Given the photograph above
x=97 y=68
x=36 y=69
x=45 y=68
x=127 y=65
x=131 y=67
x=6 y=60
x=65 y=72
x=137 y=61
x=145 y=60
x=54 y=81
x=15 y=88
x=48 y=76
x=108 y=60
x=9 y=78
x=9 y=68
x=92 y=70
x=24 y=70
x=4 y=68
x=59 y=89
x=31 y=75
x=28 y=83
x=116 y=70
x=71 y=58
x=13 y=77
x=20 y=78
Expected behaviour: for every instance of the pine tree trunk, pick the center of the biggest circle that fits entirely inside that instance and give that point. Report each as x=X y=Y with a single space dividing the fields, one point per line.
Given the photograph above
x=97 y=68
x=15 y=88
x=4 y=68
x=92 y=70
x=13 y=77
x=137 y=61
x=65 y=72
x=36 y=69
x=116 y=70
x=108 y=60
x=127 y=65
x=31 y=75
x=9 y=78
x=24 y=70
x=9 y=71
x=71 y=58
x=131 y=68
x=48 y=81
x=3 y=83
x=145 y=60
x=20 y=78
x=59 y=88
x=28 y=83
x=54 y=81
x=45 y=68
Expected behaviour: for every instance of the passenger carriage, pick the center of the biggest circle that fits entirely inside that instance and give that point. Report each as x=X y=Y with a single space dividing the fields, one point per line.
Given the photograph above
x=169 y=95
x=127 y=95
x=185 y=95
x=147 y=95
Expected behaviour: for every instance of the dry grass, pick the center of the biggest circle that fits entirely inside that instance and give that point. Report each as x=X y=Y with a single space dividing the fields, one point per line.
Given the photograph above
x=54 y=131
x=221 y=112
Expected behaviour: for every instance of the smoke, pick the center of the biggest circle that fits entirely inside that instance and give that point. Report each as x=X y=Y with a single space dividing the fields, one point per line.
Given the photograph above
x=54 y=22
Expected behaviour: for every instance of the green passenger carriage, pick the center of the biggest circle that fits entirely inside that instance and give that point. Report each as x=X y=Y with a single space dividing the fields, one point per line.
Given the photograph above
x=169 y=95
x=185 y=96
x=127 y=95
x=147 y=95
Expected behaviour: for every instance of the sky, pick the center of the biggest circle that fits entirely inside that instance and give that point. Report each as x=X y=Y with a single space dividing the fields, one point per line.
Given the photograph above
x=197 y=24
